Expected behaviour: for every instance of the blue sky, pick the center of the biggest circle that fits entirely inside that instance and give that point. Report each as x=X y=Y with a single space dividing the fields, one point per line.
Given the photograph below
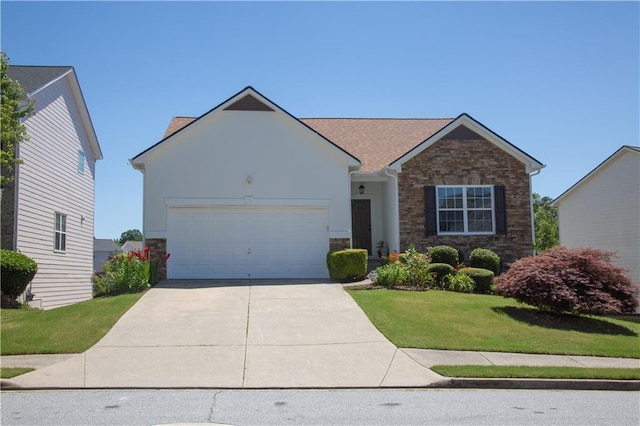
x=560 y=80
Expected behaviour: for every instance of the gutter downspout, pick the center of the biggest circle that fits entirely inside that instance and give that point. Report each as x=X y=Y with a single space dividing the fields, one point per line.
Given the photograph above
x=533 y=225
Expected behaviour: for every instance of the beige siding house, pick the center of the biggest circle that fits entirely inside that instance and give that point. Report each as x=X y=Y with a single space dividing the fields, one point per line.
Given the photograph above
x=48 y=211
x=248 y=190
x=602 y=210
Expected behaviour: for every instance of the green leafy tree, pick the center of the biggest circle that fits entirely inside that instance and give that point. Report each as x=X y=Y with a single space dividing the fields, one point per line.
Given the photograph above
x=15 y=107
x=545 y=219
x=130 y=235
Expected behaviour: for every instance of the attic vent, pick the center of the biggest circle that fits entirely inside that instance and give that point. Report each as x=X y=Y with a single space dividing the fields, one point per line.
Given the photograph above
x=462 y=133
x=248 y=103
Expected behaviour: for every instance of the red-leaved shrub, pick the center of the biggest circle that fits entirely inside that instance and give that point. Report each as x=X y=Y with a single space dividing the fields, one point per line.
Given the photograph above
x=571 y=280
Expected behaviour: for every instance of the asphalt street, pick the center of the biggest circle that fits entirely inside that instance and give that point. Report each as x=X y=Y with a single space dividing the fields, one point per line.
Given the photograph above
x=321 y=407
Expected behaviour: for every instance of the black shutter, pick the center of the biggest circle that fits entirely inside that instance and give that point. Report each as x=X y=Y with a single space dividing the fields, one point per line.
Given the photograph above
x=500 y=201
x=430 y=210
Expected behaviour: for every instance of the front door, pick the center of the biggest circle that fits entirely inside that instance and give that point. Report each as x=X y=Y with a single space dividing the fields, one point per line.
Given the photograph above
x=361 y=224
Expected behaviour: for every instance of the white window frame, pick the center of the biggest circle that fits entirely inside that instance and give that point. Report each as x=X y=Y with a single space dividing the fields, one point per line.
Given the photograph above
x=60 y=233
x=465 y=210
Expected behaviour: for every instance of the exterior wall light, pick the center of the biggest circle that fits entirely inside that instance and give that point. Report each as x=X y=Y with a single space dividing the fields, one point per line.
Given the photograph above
x=249 y=180
x=361 y=189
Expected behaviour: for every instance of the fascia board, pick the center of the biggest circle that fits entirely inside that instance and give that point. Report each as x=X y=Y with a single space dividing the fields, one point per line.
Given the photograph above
x=84 y=114
x=139 y=159
x=618 y=153
x=466 y=120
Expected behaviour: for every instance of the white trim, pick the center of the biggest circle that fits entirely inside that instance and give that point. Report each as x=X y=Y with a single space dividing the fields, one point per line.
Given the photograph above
x=138 y=161
x=62 y=232
x=530 y=163
x=465 y=211
x=247 y=201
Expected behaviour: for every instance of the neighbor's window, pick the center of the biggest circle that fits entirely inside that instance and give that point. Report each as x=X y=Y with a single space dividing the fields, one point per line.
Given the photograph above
x=60 y=233
x=80 y=161
x=465 y=209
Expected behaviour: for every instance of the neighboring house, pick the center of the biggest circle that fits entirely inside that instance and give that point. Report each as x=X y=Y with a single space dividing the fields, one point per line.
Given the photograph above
x=602 y=210
x=249 y=190
x=103 y=249
x=48 y=211
x=130 y=246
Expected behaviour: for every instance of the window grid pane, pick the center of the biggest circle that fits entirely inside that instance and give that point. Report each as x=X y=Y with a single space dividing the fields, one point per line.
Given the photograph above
x=465 y=209
x=60 y=232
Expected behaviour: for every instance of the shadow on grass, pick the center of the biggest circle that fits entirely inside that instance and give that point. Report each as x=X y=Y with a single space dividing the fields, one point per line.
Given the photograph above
x=564 y=321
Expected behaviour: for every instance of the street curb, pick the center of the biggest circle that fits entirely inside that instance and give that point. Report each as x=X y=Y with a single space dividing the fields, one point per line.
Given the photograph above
x=547 y=384
x=457 y=383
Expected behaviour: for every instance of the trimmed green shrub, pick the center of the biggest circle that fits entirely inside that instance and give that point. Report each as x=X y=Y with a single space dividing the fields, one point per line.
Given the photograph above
x=347 y=265
x=17 y=270
x=486 y=259
x=440 y=270
x=444 y=254
x=483 y=278
x=391 y=275
x=460 y=282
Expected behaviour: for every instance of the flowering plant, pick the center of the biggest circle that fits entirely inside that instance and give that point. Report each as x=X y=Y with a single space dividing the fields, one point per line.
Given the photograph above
x=128 y=273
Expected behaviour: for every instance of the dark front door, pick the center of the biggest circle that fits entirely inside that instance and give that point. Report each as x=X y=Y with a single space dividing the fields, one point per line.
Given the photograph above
x=361 y=224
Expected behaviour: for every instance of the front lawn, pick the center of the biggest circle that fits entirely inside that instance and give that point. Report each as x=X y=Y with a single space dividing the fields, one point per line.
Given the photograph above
x=9 y=372
x=527 y=372
x=70 y=329
x=454 y=321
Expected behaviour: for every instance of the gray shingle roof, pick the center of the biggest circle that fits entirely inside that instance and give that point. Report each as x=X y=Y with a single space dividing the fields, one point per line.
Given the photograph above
x=102 y=244
x=32 y=78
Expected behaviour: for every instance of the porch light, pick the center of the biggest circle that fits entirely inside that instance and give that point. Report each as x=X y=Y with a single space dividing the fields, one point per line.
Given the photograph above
x=361 y=189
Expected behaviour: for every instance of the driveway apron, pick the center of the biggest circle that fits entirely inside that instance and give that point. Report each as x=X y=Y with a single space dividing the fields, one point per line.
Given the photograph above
x=239 y=334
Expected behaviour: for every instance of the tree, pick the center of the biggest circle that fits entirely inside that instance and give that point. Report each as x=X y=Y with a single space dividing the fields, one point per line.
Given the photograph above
x=15 y=107
x=545 y=219
x=130 y=235
x=579 y=281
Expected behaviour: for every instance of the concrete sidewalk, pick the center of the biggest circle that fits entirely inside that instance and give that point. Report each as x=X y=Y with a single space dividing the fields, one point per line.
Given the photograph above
x=425 y=357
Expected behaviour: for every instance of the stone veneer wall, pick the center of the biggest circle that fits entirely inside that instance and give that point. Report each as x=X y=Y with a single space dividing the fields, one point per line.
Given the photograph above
x=339 y=243
x=7 y=217
x=158 y=253
x=466 y=160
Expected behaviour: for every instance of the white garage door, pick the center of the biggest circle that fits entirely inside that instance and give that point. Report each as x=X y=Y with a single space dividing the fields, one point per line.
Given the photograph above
x=247 y=242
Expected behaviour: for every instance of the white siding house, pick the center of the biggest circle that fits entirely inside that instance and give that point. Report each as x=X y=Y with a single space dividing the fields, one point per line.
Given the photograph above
x=54 y=187
x=602 y=210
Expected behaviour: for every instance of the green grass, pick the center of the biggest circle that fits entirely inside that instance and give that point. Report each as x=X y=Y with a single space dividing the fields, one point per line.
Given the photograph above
x=7 y=373
x=70 y=329
x=455 y=321
x=527 y=372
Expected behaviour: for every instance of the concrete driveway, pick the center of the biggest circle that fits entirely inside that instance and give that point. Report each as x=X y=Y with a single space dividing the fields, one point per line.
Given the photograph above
x=239 y=334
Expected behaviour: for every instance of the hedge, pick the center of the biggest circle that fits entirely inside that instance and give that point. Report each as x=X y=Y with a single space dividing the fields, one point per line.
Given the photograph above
x=17 y=270
x=347 y=265
x=482 y=277
x=444 y=254
x=486 y=259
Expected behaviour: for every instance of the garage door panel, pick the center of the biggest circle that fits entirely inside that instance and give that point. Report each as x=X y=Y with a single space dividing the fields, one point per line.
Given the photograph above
x=247 y=242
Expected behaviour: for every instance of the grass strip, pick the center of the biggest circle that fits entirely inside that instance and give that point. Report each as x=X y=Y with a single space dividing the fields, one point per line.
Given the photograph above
x=437 y=319
x=527 y=372
x=7 y=373
x=69 y=329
